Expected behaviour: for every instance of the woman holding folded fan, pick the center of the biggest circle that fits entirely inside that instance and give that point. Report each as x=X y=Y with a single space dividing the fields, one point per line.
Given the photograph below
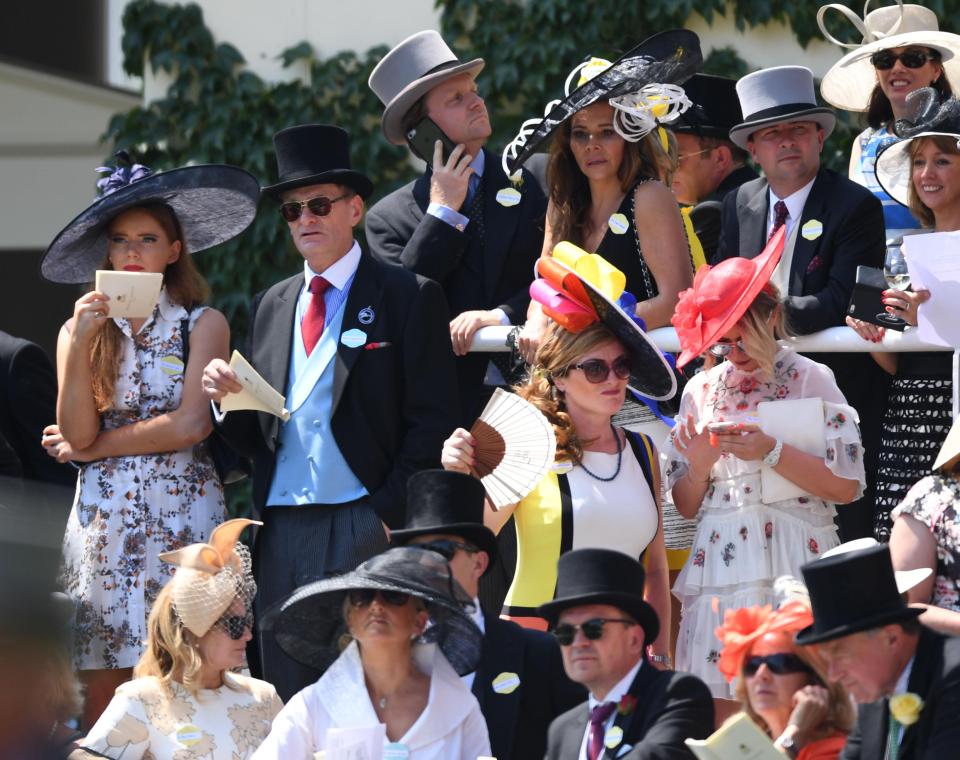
x=751 y=529
x=130 y=410
x=604 y=490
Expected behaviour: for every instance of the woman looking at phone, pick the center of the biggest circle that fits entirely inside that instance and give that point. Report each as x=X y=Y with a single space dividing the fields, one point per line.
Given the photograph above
x=715 y=454
x=922 y=172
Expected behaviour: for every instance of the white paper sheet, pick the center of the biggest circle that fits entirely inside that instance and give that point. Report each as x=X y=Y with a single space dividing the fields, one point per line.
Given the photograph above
x=257 y=393
x=934 y=263
x=360 y=743
x=132 y=294
x=799 y=423
x=737 y=739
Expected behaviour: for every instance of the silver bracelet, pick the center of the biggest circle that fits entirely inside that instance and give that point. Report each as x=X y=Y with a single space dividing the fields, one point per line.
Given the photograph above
x=773 y=458
x=661 y=659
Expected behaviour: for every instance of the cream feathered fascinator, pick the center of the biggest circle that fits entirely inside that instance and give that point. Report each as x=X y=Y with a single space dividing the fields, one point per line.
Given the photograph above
x=211 y=577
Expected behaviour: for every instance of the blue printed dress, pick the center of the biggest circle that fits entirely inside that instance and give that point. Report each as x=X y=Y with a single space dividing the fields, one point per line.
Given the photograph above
x=129 y=509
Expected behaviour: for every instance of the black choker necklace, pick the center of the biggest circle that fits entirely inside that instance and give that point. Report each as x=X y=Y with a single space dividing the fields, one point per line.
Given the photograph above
x=616 y=472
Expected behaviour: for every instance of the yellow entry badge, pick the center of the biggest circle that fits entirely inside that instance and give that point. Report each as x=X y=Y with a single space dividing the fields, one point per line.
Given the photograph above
x=812 y=229
x=506 y=683
x=171 y=365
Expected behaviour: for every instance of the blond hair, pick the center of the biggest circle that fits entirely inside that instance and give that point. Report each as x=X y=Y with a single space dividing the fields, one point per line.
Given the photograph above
x=759 y=336
x=559 y=351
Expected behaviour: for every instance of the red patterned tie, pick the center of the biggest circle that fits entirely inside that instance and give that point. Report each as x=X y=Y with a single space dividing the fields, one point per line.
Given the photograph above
x=780 y=217
x=598 y=719
x=312 y=325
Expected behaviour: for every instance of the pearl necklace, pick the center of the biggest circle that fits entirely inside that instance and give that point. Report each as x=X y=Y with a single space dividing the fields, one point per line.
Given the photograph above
x=619 y=460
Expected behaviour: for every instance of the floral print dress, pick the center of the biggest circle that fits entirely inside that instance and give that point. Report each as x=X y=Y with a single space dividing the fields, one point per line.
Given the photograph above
x=146 y=719
x=743 y=544
x=129 y=509
x=933 y=501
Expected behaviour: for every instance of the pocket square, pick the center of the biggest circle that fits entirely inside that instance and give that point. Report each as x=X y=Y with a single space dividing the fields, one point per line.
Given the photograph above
x=375 y=346
x=624 y=749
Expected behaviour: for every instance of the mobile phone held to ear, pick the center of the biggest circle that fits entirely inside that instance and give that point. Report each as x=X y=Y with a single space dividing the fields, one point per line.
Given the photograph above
x=423 y=136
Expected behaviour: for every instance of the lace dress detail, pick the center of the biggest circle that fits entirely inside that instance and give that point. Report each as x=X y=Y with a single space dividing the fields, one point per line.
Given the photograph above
x=129 y=509
x=742 y=544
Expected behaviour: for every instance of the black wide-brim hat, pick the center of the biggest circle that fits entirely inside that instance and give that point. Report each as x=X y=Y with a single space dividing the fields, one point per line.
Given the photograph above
x=601 y=576
x=213 y=203
x=309 y=624
x=449 y=502
x=715 y=110
x=315 y=154
x=669 y=57
x=853 y=592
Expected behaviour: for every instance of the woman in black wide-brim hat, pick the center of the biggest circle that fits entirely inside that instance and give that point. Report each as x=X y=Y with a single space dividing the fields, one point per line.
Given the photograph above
x=130 y=409
x=406 y=639
x=607 y=177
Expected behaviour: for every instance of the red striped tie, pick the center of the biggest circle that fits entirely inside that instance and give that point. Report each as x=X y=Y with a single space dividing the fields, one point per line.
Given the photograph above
x=312 y=325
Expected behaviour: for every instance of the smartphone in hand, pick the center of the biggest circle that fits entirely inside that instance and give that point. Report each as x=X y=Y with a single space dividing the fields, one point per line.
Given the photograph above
x=423 y=136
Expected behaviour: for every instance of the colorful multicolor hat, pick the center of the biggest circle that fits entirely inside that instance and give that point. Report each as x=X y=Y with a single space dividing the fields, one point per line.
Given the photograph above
x=931 y=118
x=850 y=81
x=213 y=203
x=642 y=86
x=745 y=626
x=576 y=289
x=720 y=296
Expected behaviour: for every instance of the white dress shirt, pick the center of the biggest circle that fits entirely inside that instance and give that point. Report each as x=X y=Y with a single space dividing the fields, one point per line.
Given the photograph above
x=795 y=203
x=614 y=695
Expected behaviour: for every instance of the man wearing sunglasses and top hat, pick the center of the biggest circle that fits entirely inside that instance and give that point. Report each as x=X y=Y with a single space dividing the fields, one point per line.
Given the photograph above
x=634 y=710
x=463 y=222
x=709 y=165
x=519 y=682
x=361 y=352
x=833 y=226
x=904 y=677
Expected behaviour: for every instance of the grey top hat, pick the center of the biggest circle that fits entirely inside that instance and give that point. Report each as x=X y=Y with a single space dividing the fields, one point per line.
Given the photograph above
x=410 y=71
x=775 y=96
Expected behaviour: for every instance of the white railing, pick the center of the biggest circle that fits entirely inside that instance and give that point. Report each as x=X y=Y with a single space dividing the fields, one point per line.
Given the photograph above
x=833 y=339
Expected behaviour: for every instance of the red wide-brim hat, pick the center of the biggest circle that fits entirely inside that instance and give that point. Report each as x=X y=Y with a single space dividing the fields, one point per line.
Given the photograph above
x=720 y=296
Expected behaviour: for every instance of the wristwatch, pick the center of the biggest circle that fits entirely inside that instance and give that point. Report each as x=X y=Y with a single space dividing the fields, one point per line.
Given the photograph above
x=788 y=746
x=773 y=458
x=661 y=659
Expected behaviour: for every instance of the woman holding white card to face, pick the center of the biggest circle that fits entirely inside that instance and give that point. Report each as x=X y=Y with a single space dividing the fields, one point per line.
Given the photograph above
x=747 y=533
x=130 y=410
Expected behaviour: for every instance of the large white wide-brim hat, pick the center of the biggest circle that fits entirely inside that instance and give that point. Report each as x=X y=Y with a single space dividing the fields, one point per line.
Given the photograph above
x=410 y=71
x=776 y=96
x=895 y=170
x=849 y=83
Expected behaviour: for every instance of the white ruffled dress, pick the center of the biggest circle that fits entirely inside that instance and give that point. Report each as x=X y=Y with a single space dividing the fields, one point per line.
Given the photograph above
x=742 y=545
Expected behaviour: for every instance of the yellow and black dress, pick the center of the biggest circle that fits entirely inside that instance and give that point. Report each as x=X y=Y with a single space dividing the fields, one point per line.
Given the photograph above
x=582 y=507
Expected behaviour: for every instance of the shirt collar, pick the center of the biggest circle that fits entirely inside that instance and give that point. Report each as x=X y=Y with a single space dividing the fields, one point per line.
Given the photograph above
x=170 y=311
x=340 y=271
x=477 y=615
x=904 y=681
x=478 y=163
x=620 y=688
x=795 y=201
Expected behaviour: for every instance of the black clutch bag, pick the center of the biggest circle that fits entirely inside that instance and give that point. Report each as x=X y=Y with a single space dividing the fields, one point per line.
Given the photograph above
x=866 y=301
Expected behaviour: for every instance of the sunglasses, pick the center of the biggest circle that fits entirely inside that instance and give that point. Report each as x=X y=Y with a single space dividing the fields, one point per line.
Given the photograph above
x=592 y=629
x=236 y=625
x=447 y=547
x=363 y=597
x=912 y=59
x=319 y=206
x=779 y=664
x=597 y=370
x=721 y=350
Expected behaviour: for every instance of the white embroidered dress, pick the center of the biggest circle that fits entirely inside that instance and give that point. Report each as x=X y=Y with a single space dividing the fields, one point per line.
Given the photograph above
x=450 y=728
x=742 y=545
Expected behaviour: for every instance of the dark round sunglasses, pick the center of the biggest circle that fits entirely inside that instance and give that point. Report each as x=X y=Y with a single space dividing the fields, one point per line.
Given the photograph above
x=597 y=370
x=447 y=547
x=319 y=206
x=363 y=597
x=779 y=664
x=592 y=629
x=236 y=625
x=912 y=59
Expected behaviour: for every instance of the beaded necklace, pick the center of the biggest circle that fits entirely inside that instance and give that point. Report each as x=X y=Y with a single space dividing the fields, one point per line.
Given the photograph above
x=619 y=460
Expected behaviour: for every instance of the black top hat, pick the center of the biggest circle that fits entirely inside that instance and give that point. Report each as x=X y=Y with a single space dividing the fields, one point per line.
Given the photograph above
x=447 y=502
x=715 y=107
x=309 y=623
x=602 y=576
x=315 y=154
x=853 y=592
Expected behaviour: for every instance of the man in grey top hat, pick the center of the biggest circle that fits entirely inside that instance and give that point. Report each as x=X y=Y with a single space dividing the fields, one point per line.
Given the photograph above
x=462 y=223
x=833 y=226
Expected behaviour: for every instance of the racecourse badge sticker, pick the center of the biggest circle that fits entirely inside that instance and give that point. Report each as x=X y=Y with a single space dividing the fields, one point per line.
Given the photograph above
x=506 y=683
x=618 y=224
x=508 y=196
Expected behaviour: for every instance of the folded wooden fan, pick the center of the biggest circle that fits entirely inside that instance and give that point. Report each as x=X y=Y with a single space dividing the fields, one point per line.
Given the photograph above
x=515 y=448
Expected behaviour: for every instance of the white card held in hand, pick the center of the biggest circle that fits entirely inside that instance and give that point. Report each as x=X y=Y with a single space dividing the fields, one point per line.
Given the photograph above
x=257 y=394
x=737 y=739
x=132 y=294
x=799 y=423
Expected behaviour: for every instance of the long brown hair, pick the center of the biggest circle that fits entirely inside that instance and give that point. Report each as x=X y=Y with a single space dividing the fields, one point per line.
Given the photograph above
x=184 y=286
x=918 y=208
x=559 y=350
x=570 y=189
